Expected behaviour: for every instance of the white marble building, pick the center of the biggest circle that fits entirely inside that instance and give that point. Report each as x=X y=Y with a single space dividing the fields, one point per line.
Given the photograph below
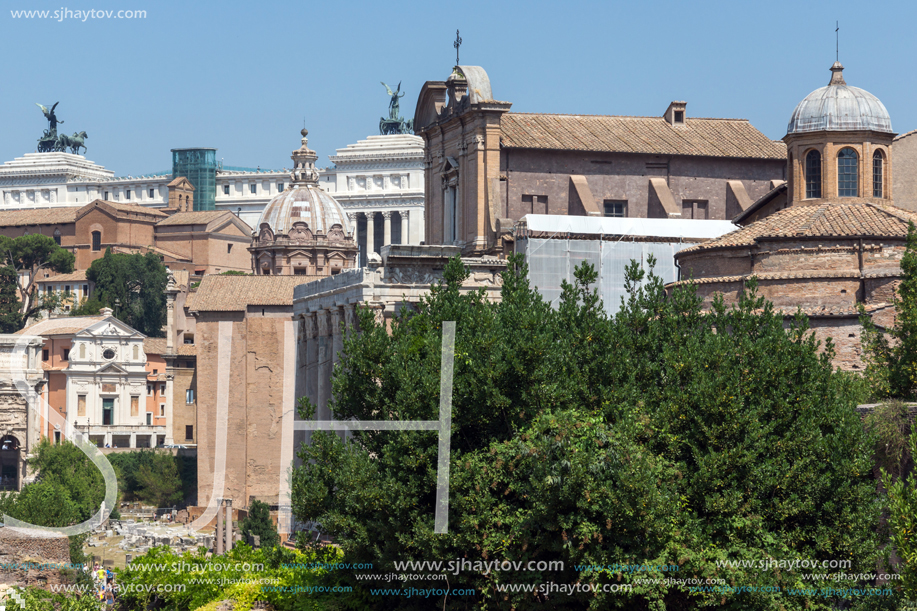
x=379 y=182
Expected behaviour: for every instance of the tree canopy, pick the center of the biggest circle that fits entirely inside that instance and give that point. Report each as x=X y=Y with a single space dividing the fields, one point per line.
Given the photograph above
x=28 y=256
x=259 y=523
x=133 y=286
x=664 y=435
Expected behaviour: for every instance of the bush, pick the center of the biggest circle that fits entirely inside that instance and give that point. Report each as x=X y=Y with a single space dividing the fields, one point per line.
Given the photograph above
x=258 y=523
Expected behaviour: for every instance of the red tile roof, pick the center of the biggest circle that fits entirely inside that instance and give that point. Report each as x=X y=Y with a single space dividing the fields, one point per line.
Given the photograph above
x=652 y=135
x=829 y=219
x=219 y=293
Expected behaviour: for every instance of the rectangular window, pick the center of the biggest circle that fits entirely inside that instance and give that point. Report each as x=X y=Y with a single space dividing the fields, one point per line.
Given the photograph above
x=85 y=290
x=253 y=187
x=66 y=354
x=300 y=271
x=694 y=209
x=679 y=116
x=280 y=187
x=152 y=191
x=228 y=248
x=534 y=204
x=162 y=409
x=189 y=432
x=149 y=418
x=128 y=194
x=225 y=189
x=189 y=338
x=616 y=208
x=56 y=436
x=81 y=405
x=149 y=390
x=106 y=196
x=108 y=411
x=66 y=288
x=135 y=406
x=44 y=354
x=162 y=389
x=189 y=396
x=96 y=241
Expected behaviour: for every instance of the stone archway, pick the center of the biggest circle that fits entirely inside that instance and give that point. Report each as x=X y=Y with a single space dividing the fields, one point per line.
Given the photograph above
x=10 y=462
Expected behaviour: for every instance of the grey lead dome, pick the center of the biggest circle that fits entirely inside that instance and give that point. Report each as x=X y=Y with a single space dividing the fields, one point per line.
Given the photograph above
x=839 y=107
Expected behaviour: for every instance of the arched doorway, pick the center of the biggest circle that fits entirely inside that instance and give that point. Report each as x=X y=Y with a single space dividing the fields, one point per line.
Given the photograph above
x=9 y=463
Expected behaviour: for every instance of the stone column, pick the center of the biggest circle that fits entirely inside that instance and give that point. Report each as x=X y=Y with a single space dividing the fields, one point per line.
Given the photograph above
x=337 y=334
x=218 y=543
x=405 y=216
x=324 y=365
x=228 y=525
x=370 y=234
x=353 y=224
x=107 y=439
x=169 y=404
x=311 y=368
x=133 y=443
x=387 y=228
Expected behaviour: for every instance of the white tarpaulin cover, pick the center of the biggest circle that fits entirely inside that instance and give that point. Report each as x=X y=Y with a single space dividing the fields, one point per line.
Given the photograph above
x=663 y=228
x=552 y=260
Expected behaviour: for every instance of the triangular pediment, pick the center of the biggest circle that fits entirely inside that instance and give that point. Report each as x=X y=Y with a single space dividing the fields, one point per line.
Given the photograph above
x=112 y=368
x=109 y=327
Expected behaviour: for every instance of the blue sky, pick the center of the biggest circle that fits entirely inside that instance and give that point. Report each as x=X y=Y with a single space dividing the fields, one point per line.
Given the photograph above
x=241 y=77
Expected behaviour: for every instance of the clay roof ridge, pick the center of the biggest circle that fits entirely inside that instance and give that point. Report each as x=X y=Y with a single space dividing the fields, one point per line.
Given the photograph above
x=661 y=118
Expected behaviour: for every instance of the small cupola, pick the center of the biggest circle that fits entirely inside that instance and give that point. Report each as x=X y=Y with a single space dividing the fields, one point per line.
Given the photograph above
x=675 y=114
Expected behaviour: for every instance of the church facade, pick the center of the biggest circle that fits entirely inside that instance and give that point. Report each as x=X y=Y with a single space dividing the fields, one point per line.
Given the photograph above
x=486 y=167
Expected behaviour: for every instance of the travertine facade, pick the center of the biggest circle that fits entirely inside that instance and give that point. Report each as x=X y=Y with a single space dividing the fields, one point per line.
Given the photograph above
x=20 y=425
x=486 y=167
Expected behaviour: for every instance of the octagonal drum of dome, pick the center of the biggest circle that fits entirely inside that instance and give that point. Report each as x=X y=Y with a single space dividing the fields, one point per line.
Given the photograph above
x=307 y=203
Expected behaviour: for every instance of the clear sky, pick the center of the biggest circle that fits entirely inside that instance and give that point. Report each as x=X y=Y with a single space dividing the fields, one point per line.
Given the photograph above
x=242 y=76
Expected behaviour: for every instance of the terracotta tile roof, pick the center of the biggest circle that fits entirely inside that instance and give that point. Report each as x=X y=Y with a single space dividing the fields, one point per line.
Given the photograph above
x=157 y=345
x=218 y=293
x=77 y=276
x=39 y=216
x=65 y=325
x=830 y=219
x=200 y=217
x=189 y=300
x=652 y=135
x=135 y=208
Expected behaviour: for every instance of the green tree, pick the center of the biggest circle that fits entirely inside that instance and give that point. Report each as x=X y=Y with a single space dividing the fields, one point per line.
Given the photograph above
x=891 y=355
x=31 y=255
x=87 y=307
x=10 y=306
x=664 y=435
x=259 y=523
x=159 y=481
x=902 y=520
x=133 y=286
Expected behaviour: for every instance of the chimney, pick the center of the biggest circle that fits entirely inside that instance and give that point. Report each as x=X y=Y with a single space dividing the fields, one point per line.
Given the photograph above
x=675 y=114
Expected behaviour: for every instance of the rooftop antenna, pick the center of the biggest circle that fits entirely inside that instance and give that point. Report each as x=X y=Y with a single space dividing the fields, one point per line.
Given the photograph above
x=457 y=44
x=837 y=39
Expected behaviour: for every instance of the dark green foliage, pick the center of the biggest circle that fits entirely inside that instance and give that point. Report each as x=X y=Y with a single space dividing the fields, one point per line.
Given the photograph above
x=87 y=307
x=892 y=355
x=890 y=424
x=133 y=286
x=154 y=477
x=259 y=523
x=235 y=272
x=30 y=255
x=10 y=306
x=663 y=435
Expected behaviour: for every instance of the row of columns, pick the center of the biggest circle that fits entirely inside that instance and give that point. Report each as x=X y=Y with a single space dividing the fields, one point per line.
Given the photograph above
x=321 y=340
x=387 y=227
x=223 y=539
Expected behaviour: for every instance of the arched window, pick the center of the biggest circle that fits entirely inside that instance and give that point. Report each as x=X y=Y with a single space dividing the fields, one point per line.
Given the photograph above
x=813 y=175
x=847 y=183
x=57 y=236
x=878 y=160
x=96 y=240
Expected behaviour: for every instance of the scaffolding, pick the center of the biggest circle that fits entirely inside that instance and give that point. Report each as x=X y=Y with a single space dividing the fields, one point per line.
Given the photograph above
x=199 y=165
x=554 y=246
